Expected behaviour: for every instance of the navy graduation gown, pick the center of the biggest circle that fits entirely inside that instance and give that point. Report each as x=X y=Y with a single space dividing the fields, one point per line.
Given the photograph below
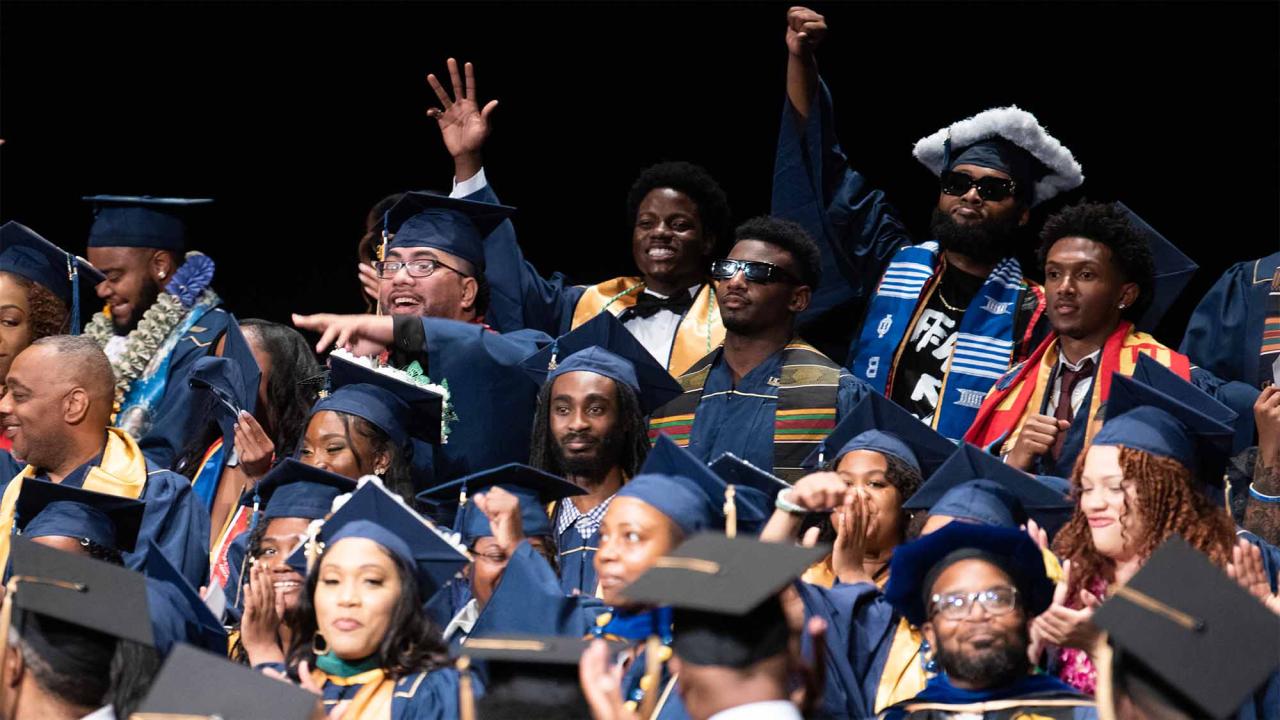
x=743 y=421
x=528 y=600
x=492 y=396
x=178 y=418
x=421 y=696
x=1030 y=688
x=577 y=560
x=860 y=630
x=1265 y=702
x=1224 y=338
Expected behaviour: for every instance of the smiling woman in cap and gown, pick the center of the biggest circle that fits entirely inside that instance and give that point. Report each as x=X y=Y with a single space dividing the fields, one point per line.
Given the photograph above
x=1153 y=470
x=362 y=640
x=161 y=314
x=42 y=288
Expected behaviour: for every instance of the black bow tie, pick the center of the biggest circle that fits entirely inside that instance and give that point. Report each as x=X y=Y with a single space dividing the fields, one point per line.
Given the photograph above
x=648 y=305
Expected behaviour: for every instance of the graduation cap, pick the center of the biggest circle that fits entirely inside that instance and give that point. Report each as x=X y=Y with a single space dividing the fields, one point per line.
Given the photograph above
x=196 y=684
x=724 y=595
x=1168 y=417
x=142 y=221
x=534 y=489
x=396 y=405
x=232 y=379
x=373 y=513
x=178 y=613
x=48 y=509
x=917 y=564
x=76 y=589
x=1187 y=634
x=1173 y=270
x=1010 y=140
x=535 y=674
x=456 y=226
x=877 y=423
x=602 y=345
x=974 y=485
x=680 y=486
x=69 y=277
x=295 y=489
x=736 y=471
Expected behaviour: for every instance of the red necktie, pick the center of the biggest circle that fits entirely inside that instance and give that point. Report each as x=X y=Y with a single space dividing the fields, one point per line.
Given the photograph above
x=1069 y=379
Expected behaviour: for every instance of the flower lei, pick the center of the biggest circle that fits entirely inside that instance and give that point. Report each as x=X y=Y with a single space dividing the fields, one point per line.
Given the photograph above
x=412 y=374
x=188 y=286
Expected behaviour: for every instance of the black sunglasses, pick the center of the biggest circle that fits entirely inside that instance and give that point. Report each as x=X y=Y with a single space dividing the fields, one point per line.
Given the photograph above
x=755 y=271
x=990 y=187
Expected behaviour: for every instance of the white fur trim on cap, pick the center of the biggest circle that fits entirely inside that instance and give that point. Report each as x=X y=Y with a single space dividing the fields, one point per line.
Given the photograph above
x=1018 y=127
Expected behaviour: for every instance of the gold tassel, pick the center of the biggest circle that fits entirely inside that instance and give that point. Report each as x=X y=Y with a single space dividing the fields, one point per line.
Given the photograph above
x=730 y=513
x=652 y=674
x=466 y=694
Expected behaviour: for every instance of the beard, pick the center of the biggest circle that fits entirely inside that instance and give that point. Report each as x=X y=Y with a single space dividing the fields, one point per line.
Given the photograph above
x=590 y=466
x=150 y=292
x=989 y=241
x=998 y=665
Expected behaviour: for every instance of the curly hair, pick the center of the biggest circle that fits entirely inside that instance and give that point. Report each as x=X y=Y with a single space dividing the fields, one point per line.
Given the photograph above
x=412 y=644
x=692 y=180
x=1169 y=503
x=1107 y=224
x=633 y=433
x=790 y=237
x=47 y=313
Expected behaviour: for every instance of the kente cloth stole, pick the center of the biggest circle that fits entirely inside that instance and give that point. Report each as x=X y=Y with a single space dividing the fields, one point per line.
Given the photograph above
x=700 y=330
x=984 y=343
x=1023 y=389
x=1270 y=331
x=805 y=414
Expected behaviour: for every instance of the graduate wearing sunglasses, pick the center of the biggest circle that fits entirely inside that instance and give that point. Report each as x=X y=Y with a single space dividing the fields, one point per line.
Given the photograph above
x=941 y=319
x=766 y=396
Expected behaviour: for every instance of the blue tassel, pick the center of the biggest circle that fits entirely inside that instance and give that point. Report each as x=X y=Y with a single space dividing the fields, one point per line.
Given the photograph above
x=73 y=272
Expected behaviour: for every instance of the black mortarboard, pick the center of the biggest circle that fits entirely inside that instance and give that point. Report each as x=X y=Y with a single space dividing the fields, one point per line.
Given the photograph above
x=736 y=471
x=1004 y=496
x=1184 y=629
x=76 y=589
x=386 y=397
x=724 y=595
x=537 y=674
x=1173 y=270
x=45 y=508
x=877 y=423
x=454 y=225
x=625 y=360
x=231 y=379
x=69 y=277
x=534 y=488
x=196 y=684
x=142 y=221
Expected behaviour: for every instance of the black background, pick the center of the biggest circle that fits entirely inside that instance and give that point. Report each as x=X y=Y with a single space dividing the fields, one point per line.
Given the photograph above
x=298 y=116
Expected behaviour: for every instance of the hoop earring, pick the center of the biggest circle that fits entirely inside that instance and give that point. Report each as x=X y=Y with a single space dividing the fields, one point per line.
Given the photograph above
x=321 y=641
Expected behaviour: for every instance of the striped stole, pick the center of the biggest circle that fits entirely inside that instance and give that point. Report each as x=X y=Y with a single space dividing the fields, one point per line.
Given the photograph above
x=805 y=414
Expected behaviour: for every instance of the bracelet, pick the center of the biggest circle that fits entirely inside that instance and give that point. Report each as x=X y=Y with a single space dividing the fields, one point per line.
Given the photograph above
x=785 y=505
x=1262 y=497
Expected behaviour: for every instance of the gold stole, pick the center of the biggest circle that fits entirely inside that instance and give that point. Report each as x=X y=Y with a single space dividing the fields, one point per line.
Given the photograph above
x=700 y=330
x=373 y=701
x=122 y=472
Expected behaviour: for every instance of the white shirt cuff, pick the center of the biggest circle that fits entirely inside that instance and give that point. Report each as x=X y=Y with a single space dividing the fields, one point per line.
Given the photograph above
x=468 y=186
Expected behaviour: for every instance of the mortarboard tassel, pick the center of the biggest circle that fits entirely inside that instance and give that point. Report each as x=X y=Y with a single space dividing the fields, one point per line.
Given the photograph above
x=73 y=274
x=652 y=674
x=466 y=693
x=730 y=513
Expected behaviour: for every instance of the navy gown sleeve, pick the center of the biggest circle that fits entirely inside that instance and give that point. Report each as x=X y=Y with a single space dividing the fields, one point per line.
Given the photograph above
x=493 y=398
x=860 y=631
x=849 y=393
x=178 y=418
x=518 y=296
x=856 y=228
x=528 y=599
x=177 y=522
x=1218 y=337
x=430 y=696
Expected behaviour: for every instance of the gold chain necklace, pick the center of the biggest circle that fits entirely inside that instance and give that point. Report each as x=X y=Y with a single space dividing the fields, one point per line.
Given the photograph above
x=946 y=304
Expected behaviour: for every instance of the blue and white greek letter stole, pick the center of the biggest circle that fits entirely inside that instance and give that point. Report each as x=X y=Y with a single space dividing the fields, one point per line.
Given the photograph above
x=984 y=345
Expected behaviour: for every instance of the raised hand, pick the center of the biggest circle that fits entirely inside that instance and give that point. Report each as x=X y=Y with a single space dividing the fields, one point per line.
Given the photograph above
x=805 y=31
x=369 y=281
x=464 y=125
x=260 y=624
x=253 y=447
x=1037 y=437
x=503 y=512
x=1068 y=627
x=854 y=521
x=360 y=335
x=602 y=683
x=819 y=491
x=1247 y=569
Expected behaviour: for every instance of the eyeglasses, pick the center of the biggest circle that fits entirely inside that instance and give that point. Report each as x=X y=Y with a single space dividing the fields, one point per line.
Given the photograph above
x=416 y=268
x=955 y=606
x=990 y=187
x=755 y=271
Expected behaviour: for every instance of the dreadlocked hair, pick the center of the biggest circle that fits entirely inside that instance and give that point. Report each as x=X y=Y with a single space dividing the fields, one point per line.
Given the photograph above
x=47 y=313
x=1168 y=502
x=633 y=430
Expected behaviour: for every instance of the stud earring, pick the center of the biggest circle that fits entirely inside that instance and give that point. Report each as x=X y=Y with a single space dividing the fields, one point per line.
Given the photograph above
x=161 y=274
